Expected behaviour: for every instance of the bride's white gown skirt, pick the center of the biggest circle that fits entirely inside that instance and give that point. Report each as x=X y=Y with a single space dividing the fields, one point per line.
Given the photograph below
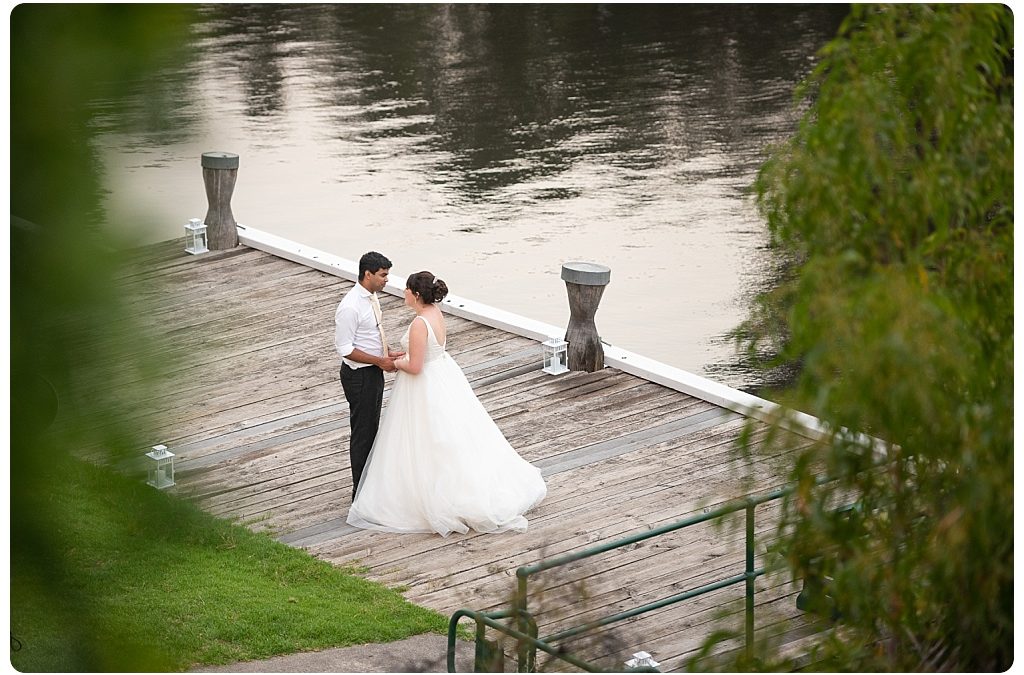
x=440 y=464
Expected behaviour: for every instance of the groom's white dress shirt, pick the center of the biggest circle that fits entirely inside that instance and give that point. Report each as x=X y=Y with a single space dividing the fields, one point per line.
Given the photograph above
x=355 y=326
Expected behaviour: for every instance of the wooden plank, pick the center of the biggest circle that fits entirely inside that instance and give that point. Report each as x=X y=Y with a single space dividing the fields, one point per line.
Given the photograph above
x=620 y=446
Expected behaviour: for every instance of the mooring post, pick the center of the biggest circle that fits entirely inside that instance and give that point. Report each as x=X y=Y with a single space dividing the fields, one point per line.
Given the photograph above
x=584 y=282
x=219 y=172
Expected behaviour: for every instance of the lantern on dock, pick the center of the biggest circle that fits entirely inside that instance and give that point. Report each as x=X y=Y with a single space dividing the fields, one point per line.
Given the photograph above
x=556 y=357
x=161 y=467
x=195 y=237
x=642 y=660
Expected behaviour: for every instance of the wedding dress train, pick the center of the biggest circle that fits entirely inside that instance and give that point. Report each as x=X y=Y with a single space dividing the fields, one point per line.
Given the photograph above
x=440 y=463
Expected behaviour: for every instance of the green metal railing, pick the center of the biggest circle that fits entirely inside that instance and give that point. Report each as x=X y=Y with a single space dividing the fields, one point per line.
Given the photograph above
x=525 y=630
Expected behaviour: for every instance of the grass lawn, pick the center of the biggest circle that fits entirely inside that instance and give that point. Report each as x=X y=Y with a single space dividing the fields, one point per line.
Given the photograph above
x=131 y=579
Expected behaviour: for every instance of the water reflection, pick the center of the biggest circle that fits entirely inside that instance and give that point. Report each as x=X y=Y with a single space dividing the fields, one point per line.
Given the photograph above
x=492 y=143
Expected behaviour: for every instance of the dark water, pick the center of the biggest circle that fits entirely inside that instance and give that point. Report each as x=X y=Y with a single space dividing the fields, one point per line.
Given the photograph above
x=490 y=144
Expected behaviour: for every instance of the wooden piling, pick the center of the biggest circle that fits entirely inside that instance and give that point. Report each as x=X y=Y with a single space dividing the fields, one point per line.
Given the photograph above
x=584 y=283
x=220 y=169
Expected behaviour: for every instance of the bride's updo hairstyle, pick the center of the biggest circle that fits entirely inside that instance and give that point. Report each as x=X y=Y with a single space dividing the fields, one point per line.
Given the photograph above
x=427 y=287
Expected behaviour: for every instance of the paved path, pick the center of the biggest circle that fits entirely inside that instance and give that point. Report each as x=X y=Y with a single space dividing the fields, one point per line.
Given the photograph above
x=418 y=654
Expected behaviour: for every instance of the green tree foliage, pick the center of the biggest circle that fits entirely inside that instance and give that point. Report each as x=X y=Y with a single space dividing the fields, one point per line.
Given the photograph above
x=894 y=201
x=63 y=307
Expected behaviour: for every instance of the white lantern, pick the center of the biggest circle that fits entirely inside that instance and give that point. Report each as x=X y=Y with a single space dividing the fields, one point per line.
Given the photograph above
x=556 y=357
x=195 y=237
x=161 y=468
x=642 y=660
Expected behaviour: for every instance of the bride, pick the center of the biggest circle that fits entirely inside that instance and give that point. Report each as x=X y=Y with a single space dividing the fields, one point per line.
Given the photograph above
x=439 y=463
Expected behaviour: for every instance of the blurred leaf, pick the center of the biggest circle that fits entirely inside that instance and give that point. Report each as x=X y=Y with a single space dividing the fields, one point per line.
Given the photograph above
x=64 y=308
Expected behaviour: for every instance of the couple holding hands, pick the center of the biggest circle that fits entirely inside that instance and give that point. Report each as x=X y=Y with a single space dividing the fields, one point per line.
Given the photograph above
x=437 y=462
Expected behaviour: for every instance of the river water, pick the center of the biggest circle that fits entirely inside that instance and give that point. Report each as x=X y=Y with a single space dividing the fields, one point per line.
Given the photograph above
x=490 y=144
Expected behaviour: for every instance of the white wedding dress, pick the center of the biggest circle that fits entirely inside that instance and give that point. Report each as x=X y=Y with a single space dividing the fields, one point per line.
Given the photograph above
x=440 y=463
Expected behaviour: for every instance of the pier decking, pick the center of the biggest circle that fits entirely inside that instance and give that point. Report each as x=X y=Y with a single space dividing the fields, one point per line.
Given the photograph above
x=253 y=409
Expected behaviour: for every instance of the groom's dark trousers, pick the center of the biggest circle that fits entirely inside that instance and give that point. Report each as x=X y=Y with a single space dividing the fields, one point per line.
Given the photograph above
x=364 y=390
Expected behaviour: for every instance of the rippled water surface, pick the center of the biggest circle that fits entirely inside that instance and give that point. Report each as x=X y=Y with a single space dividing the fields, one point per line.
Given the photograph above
x=490 y=144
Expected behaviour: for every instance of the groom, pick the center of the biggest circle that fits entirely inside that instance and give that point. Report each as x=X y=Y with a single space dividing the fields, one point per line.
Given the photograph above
x=360 y=341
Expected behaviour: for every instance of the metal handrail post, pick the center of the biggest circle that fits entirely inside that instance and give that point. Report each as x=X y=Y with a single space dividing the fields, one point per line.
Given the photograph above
x=453 y=626
x=524 y=651
x=750 y=580
x=480 y=650
x=531 y=663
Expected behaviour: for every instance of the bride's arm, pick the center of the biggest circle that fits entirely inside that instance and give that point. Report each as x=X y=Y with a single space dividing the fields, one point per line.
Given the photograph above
x=412 y=362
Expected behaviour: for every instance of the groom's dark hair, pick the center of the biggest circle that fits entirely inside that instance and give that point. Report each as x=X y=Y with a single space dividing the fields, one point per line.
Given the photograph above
x=371 y=262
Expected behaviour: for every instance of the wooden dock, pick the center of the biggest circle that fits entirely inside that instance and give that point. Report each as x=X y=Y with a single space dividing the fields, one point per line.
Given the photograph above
x=253 y=409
